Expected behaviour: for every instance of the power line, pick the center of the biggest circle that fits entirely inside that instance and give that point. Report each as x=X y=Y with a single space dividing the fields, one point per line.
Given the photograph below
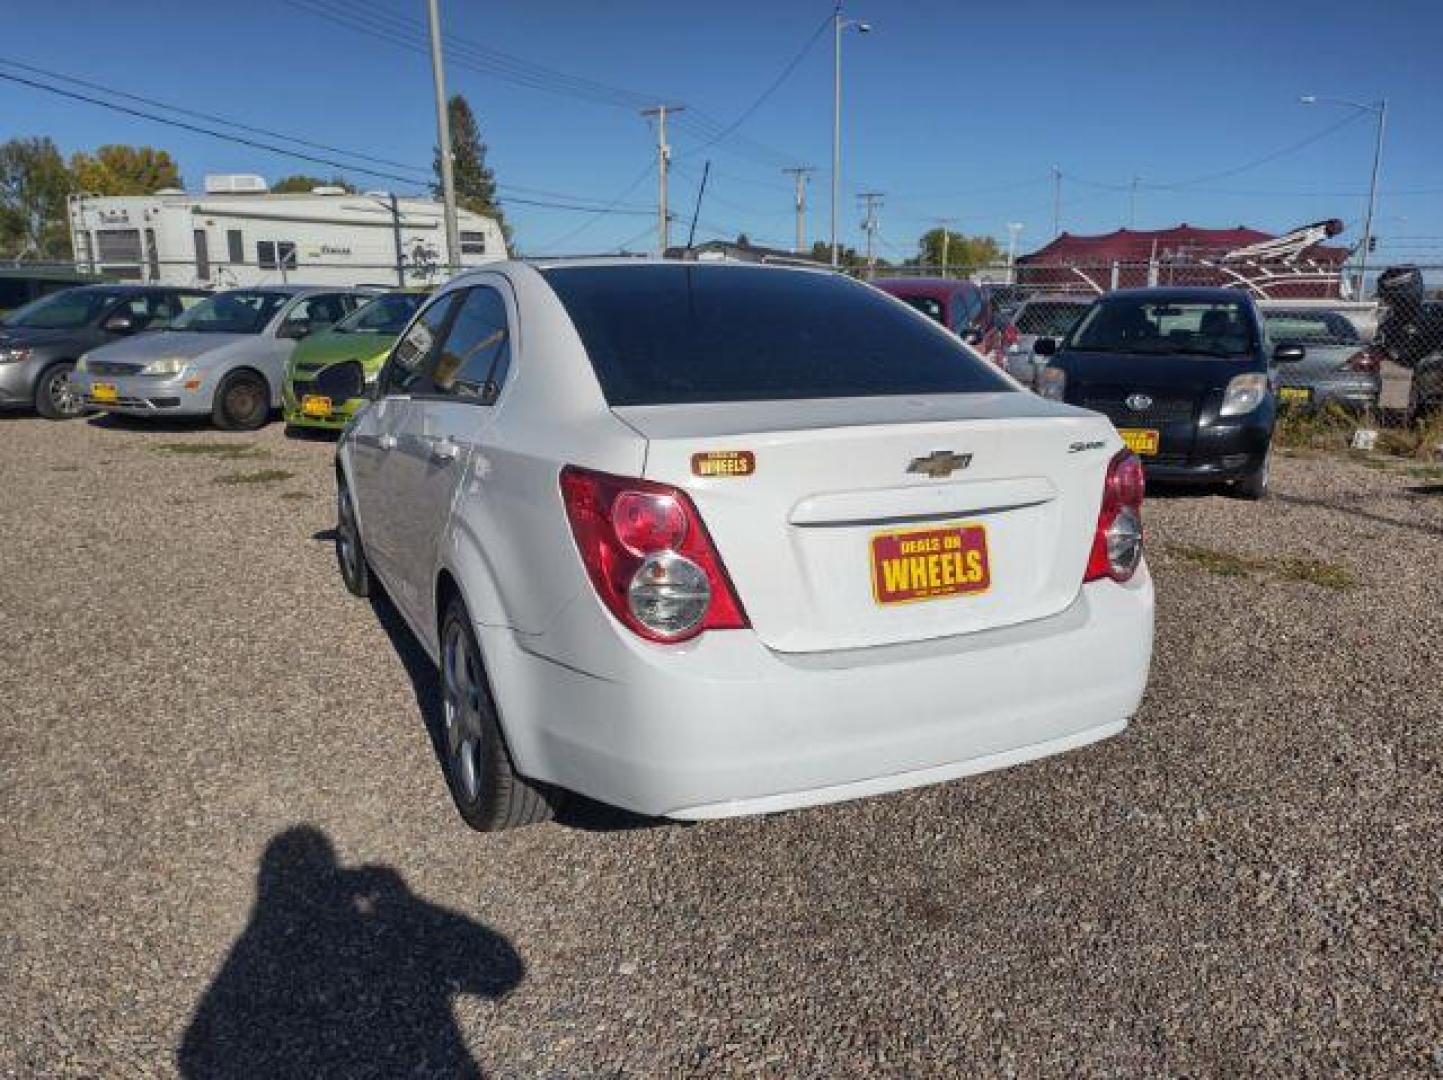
x=111 y=91
x=461 y=52
x=566 y=238
x=574 y=203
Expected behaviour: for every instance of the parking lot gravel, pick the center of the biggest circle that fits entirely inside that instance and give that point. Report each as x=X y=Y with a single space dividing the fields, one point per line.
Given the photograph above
x=226 y=847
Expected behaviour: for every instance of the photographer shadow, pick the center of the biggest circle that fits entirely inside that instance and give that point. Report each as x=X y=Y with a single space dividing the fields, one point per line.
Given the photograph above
x=343 y=972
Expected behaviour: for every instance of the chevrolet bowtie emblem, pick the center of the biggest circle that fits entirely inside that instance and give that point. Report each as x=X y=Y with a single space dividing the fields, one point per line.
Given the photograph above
x=939 y=463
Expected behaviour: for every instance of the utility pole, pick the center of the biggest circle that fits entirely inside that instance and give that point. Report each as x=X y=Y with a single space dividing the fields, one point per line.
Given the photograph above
x=838 y=25
x=1382 y=110
x=872 y=199
x=1056 y=201
x=800 y=173
x=396 y=235
x=1132 y=203
x=1013 y=228
x=946 y=224
x=663 y=166
x=443 y=142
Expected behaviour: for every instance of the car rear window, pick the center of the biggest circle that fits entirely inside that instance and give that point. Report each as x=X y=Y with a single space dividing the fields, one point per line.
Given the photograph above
x=1311 y=327
x=686 y=333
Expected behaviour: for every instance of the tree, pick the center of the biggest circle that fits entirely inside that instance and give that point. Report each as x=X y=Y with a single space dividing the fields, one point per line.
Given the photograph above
x=124 y=170
x=963 y=252
x=302 y=184
x=847 y=258
x=33 y=186
x=475 y=183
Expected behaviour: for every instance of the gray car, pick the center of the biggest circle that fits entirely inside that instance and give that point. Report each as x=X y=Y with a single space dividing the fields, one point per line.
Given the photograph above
x=1338 y=368
x=1039 y=317
x=40 y=341
x=224 y=358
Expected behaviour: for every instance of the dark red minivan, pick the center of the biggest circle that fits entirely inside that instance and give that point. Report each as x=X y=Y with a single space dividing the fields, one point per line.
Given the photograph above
x=960 y=306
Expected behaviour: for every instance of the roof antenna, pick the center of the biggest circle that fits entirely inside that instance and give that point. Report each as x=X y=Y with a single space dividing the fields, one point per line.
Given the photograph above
x=700 y=191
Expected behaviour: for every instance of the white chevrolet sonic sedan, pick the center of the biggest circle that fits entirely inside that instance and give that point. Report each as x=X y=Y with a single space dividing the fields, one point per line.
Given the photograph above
x=701 y=540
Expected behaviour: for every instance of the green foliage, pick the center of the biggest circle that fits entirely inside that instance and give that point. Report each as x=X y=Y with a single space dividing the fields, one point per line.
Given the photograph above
x=963 y=252
x=847 y=258
x=475 y=182
x=115 y=169
x=33 y=184
x=301 y=184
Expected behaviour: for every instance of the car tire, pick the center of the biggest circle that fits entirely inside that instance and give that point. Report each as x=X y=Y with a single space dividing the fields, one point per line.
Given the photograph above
x=489 y=793
x=1254 y=486
x=55 y=396
x=350 y=552
x=242 y=402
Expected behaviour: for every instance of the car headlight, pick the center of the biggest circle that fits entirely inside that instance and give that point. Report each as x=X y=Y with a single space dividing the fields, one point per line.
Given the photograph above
x=13 y=354
x=1052 y=383
x=171 y=366
x=1244 y=394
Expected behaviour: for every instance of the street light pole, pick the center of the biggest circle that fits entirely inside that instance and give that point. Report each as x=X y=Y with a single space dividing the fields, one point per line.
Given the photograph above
x=838 y=25
x=443 y=142
x=1380 y=110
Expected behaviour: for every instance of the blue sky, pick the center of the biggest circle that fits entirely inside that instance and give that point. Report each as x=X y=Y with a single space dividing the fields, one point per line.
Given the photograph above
x=952 y=110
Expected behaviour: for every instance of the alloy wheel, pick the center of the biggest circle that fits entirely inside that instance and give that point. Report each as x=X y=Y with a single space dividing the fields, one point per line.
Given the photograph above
x=63 y=397
x=346 y=533
x=461 y=689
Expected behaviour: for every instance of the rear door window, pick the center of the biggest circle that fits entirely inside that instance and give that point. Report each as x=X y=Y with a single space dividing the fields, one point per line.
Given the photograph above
x=472 y=363
x=408 y=359
x=687 y=333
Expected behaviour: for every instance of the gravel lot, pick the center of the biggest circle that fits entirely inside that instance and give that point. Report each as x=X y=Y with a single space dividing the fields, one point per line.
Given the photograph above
x=226 y=847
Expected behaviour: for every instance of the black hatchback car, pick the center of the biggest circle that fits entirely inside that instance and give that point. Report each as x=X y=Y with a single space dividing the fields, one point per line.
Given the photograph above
x=1184 y=374
x=40 y=342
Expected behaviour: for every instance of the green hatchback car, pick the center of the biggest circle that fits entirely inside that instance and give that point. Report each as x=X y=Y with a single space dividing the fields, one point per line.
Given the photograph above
x=328 y=372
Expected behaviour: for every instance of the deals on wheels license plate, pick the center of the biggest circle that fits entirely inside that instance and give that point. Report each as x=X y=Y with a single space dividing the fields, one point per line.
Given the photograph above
x=1140 y=440
x=104 y=391
x=314 y=405
x=929 y=564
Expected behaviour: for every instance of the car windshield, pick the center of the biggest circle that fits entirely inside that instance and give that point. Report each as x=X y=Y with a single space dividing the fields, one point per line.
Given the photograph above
x=68 y=310
x=1311 y=328
x=1050 y=318
x=679 y=334
x=1162 y=326
x=239 y=312
x=387 y=314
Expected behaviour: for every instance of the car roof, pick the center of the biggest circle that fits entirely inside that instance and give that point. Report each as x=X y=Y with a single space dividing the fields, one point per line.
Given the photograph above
x=140 y=290
x=1184 y=293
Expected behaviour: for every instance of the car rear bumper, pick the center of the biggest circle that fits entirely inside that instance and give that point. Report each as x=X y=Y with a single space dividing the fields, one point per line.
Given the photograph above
x=142 y=395
x=723 y=726
x=1355 y=391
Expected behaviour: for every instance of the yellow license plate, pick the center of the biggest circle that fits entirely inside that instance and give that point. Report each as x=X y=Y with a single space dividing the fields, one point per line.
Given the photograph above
x=1140 y=440
x=1295 y=393
x=104 y=391
x=314 y=405
x=928 y=564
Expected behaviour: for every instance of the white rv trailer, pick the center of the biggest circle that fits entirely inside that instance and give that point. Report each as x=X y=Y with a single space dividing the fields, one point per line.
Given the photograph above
x=238 y=233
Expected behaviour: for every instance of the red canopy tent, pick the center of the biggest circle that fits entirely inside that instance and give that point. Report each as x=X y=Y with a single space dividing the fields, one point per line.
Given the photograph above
x=1297 y=265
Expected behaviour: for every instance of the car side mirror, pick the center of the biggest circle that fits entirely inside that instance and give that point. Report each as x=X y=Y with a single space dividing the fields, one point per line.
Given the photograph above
x=1045 y=346
x=1288 y=352
x=294 y=329
x=118 y=324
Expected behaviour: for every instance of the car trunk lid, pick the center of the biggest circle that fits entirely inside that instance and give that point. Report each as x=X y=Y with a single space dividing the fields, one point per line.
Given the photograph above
x=823 y=533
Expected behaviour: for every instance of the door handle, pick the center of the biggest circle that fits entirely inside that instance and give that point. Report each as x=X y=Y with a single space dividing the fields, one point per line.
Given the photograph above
x=386 y=442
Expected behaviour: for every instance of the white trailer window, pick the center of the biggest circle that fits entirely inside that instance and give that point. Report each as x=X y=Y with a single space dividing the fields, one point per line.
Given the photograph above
x=276 y=254
x=473 y=243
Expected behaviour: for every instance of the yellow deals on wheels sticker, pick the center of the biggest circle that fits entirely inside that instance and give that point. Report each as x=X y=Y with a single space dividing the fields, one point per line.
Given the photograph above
x=926 y=564
x=724 y=463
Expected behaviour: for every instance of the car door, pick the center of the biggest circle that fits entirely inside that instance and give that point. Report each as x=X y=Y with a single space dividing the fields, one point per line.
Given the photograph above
x=376 y=472
x=437 y=444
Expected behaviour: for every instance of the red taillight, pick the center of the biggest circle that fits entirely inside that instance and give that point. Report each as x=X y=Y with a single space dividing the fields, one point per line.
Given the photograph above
x=1117 y=544
x=645 y=549
x=1364 y=360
